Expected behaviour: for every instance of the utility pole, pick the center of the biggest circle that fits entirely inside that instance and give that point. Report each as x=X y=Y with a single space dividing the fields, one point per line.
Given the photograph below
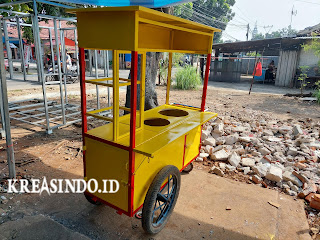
x=293 y=13
x=248 y=28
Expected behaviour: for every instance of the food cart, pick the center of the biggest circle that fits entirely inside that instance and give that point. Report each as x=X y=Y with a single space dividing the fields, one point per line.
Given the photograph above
x=144 y=150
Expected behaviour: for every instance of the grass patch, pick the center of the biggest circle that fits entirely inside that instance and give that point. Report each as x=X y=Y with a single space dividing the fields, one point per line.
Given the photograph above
x=187 y=78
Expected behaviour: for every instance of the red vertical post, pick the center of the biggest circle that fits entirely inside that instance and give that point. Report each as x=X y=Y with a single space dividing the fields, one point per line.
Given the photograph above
x=133 y=114
x=205 y=82
x=83 y=101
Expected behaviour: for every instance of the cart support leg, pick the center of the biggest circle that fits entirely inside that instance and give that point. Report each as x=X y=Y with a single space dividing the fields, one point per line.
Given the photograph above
x=205 y=83
x=83 y=102
x=169 y=78
x=133 y=103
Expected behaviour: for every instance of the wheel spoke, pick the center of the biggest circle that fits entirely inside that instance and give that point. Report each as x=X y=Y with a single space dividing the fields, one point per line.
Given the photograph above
x=161 y=197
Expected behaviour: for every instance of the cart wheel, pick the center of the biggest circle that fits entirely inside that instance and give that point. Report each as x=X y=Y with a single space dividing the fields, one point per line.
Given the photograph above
x=161 y=199
x=92 y=200
x=188 y=168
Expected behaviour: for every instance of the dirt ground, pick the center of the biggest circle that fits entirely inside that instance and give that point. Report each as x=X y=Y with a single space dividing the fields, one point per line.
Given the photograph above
x=59 y=155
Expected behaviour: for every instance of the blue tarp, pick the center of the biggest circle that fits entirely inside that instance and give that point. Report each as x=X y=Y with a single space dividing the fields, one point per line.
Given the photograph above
x=121 y=3
x=14 y=41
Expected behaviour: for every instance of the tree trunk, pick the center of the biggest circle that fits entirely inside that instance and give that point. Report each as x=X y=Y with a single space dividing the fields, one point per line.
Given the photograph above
x=152 y=65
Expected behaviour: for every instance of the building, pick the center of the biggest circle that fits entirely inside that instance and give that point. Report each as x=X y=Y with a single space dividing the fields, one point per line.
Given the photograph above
x=232 y=63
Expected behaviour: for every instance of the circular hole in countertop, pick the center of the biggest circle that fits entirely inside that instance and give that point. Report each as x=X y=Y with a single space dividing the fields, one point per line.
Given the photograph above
x=156 y=122
x=171 y=112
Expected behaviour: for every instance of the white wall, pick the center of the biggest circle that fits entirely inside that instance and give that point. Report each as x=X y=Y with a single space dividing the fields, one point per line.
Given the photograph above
x=308 y=59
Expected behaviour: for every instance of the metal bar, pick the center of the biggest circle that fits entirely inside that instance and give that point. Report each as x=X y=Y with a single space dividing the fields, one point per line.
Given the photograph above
x=83 y=104
x=55 y=4
x=77 y=53
x=52 y=52
x=107 y=59
x=73 y=19
x=71 y=28
x=39 y=60
x=104 y=64
x=23 y=67
x=38 y=54
x=14 y=12
x=9 y=53
x=96 y=75
x=142 y=88
x=6 y=121
x=64 y=65
x=115 y=89
x=109 y=119
x=169 y=78
x=205 y=83
x=133 y=103
x=14 y=3
x=59 y=69
x=90 y=62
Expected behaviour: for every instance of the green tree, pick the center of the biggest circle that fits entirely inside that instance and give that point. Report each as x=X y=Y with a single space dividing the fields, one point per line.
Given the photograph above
x=314 y=46
x=258 y=36
x=215 y=13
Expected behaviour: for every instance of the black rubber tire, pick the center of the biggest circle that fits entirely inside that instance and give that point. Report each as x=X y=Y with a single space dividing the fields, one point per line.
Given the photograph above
x=188 y=168
x=90 y=200
x=151 y=198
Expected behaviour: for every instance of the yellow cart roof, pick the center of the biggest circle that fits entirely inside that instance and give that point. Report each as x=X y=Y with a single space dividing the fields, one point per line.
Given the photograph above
x=137 y=28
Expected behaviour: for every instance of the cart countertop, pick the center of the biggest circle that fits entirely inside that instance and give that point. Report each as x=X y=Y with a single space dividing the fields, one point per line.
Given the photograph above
x=151 y=139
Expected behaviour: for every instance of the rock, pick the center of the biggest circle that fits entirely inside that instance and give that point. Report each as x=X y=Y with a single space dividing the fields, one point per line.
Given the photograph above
x=205 y=134
x=204 y=155
x=221 y=155
x=309 y=197
x=245 y=139
x=256 y=179
x=285 y=129
x=246 y=170
x=272 y=139
x=209 y=141
x=267 y=133
x=240 y=151
x=222 y=166
x=231 y=168
x=217 y=148
x=296 y=131
x=217 y=171
x=274 y=174
x=299 y=165
x=261 y=169
x=3 y=198
x=208 y=149
x=220 y=140
x=307 y=189
x=314 y=145
x=264 y=151
x=239 y=129
x=292 y=151
x=294 y=188
x=218 y=128
x=199 y=159
x=301 y=177
x=248 y=162
x=314 y=204
x=288 y=176
x=234 y=159
x=317 y=197
x=231 y=139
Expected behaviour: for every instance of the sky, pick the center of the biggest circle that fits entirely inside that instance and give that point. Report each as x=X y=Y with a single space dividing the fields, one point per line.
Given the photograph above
x=276 y=13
